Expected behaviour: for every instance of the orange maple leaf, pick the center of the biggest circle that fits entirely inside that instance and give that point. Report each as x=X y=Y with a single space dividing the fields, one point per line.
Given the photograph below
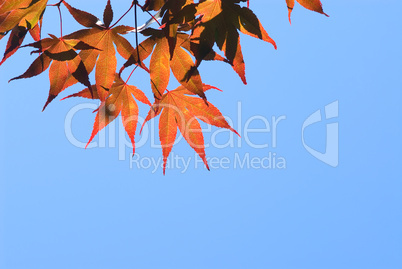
x=104 y=37
x=178 y=109
x=119 y=99
x=66 y=66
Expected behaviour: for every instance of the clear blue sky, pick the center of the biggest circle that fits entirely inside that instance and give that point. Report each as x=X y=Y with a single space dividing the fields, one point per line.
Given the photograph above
x=65 y=207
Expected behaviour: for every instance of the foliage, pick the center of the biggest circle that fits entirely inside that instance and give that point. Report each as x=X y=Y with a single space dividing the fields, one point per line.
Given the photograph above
x=187 y=34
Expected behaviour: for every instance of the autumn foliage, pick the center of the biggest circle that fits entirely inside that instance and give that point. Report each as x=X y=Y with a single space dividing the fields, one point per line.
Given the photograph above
x=178 y=37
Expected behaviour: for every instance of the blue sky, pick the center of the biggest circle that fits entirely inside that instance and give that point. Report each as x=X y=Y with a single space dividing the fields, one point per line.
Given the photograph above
x=65 y=207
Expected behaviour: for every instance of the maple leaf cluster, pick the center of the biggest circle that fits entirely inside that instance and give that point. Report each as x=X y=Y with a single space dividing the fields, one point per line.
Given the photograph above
x=186 y=33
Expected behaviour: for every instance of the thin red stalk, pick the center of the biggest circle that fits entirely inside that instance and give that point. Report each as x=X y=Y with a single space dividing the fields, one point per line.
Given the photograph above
x=132 y=4
x=136 y=32
x=61 y=21
x=149 y=13
x=131 y=74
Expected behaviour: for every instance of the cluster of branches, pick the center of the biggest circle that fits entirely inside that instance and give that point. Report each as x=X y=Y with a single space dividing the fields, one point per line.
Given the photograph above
x=185 y=35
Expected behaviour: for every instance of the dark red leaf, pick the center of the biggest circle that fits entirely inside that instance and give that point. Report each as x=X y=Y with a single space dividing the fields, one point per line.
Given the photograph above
x=84 y=18
x=108 y=14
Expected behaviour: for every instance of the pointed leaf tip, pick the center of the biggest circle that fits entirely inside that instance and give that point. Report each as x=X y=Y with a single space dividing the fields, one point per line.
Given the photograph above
x=313 y=5
x=108 y=14
x=49 y=99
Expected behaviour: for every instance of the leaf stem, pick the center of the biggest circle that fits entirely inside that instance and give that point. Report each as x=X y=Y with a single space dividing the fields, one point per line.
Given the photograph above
x=149 y=13
x=54 y=5
x=61 y=21
x=131 y=73
x=136 y=32
x=132 y=4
